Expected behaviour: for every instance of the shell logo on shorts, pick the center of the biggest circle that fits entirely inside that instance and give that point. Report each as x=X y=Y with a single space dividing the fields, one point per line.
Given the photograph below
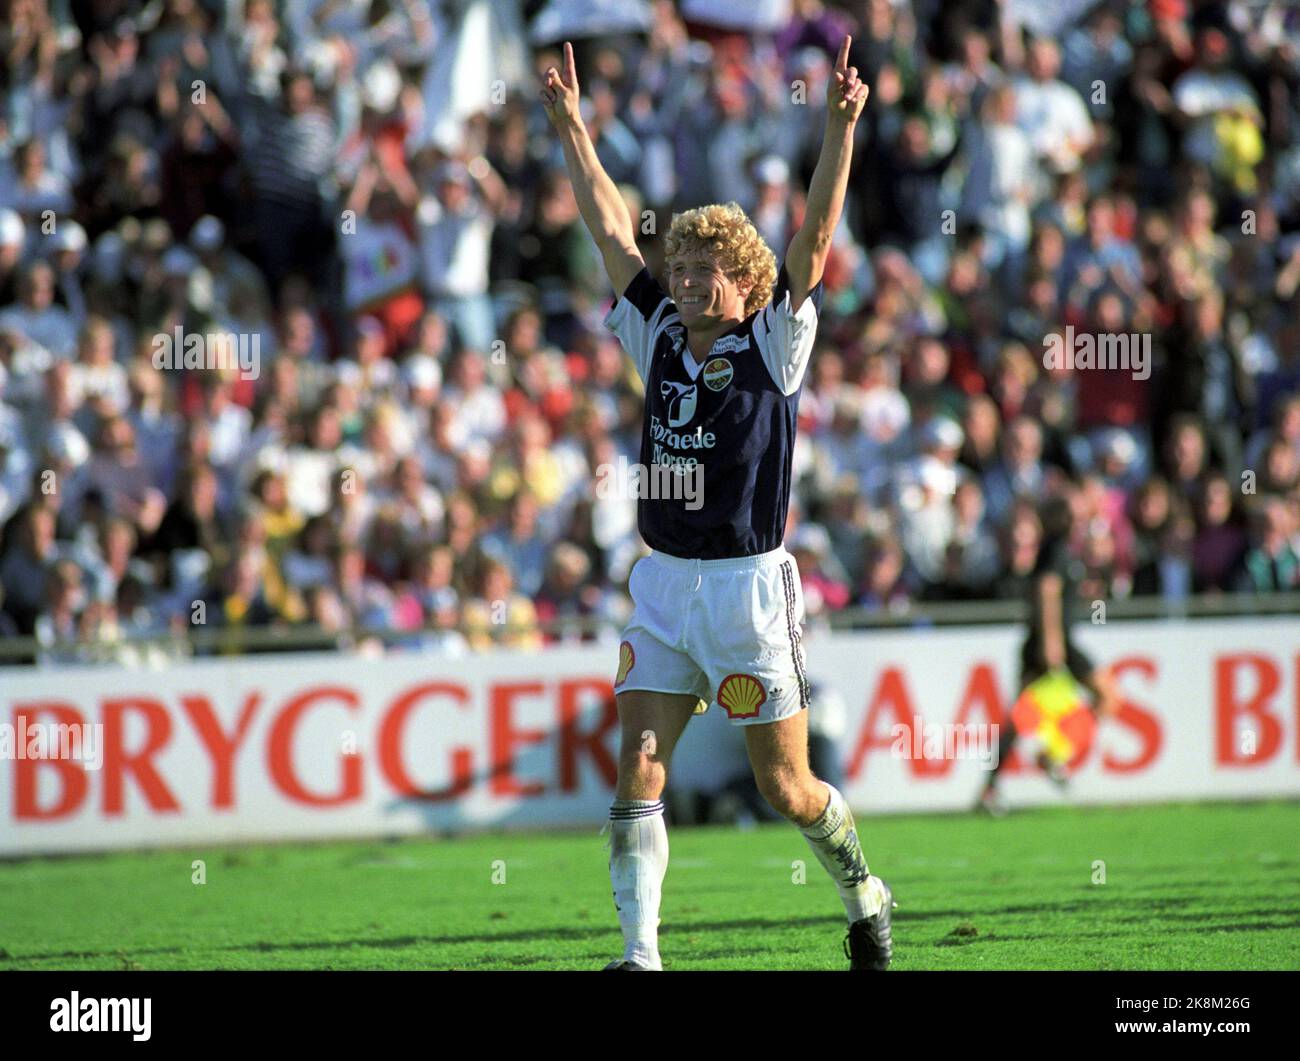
x=718 y=373
x=741 y=695
x=626 y=659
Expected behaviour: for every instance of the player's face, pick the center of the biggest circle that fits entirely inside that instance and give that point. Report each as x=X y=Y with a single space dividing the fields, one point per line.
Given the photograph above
x=704 y=294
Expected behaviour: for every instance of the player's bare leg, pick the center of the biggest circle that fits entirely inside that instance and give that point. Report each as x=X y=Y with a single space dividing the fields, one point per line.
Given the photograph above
x=778 y=752
x=638 y=840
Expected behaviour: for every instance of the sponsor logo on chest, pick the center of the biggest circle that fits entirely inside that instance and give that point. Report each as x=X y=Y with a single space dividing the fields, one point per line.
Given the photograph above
x=731 y=344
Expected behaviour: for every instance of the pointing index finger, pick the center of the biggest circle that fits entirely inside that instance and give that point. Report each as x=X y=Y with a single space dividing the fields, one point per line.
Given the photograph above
x=570 y=69
x=842 y=60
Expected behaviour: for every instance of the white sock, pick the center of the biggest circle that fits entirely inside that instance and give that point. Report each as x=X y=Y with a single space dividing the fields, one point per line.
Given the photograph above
x=638 y=860
x=834 y=840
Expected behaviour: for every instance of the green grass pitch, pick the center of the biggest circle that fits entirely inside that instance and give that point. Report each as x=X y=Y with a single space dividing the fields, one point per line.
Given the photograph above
x=1203 y=886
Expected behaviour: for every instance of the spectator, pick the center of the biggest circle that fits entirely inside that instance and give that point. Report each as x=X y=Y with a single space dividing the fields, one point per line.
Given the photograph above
x=289 y=163
x=1002 y=172
x=883 y=588
x=455 y=225
x=1220 y=542
x=498 y=614
x=23 y=566
x=567 y=593
x=97 y=376
x=1022 y=539
x=519 y=545
x=480 y=413
x=1051 y=113
x=13 y=237
x=371 y=235
x=825 y=589
x=61 y=621
x=1153 y=517
x=1271 y=563
x=971 y=558
x=44 y=329
x=1021 y=472
x=33 y=190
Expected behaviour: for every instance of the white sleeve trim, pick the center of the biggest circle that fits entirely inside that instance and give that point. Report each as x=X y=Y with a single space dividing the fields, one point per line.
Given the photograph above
x=785 y=340
x=637 y=334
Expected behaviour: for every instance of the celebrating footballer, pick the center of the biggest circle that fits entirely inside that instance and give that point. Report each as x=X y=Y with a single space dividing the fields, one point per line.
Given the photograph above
x=722 y=343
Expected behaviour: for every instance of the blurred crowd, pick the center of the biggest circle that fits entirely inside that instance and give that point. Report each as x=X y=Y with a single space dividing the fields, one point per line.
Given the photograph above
x=436 y=433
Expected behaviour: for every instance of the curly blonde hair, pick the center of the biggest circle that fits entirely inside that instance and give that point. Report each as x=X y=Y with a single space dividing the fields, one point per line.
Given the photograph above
x=724 y=231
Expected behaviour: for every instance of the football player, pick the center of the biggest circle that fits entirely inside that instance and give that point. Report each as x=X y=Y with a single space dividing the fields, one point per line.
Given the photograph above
x=1061 y=690
x=722 y=346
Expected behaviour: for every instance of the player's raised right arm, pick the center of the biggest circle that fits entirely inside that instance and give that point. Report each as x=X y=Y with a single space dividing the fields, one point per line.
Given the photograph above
x=602 y=206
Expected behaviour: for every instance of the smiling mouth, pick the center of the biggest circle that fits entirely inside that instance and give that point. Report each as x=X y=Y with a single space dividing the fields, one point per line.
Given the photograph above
x=693 y=300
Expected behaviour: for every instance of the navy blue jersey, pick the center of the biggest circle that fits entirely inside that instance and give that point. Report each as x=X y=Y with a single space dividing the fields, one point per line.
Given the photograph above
x=727 y=422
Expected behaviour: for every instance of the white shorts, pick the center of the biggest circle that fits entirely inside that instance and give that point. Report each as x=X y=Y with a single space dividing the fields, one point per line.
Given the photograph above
x=727 y=631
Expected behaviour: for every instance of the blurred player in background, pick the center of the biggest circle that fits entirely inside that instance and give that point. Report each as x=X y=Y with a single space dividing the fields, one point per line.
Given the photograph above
x=718 y=604
x=1061 y=690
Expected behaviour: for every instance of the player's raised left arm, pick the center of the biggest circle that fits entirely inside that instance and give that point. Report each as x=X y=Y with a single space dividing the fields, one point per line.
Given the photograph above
x=806 y=257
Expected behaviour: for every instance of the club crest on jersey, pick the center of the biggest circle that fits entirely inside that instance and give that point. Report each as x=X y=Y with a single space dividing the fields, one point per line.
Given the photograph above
x=718 y=373
x=681 y=398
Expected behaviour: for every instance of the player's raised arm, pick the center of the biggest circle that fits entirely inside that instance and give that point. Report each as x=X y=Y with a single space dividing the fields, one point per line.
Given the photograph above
x=602 y=206
x=806 y=257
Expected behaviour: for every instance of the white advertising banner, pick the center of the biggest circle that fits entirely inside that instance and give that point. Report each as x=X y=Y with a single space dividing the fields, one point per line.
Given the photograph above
x=302 y=746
